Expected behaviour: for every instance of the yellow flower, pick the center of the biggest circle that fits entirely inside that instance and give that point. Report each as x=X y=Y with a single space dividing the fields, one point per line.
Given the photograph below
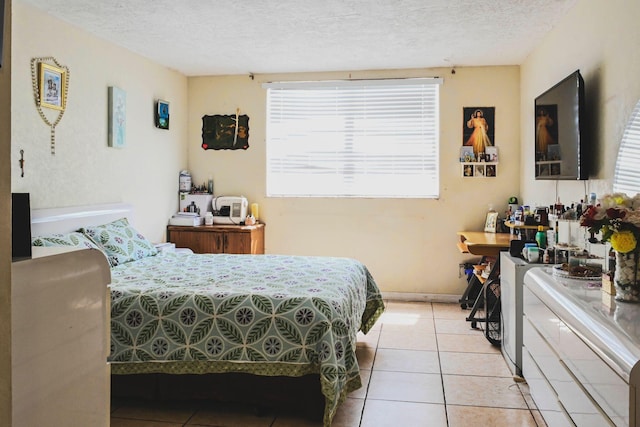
x=620 y=200
x=623 y=241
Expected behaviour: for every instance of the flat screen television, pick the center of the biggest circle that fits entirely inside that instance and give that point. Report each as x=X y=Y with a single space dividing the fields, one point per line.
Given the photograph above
x=560 y=149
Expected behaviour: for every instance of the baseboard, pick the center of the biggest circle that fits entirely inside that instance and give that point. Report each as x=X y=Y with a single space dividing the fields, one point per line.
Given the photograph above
x=419 y=297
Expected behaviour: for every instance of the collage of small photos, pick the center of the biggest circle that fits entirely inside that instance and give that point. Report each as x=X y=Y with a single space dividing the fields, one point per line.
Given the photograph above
x=483 y=165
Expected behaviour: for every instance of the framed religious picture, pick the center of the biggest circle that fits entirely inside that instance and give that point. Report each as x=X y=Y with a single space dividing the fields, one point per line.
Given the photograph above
x=491 y=154
x=50 y=83
x=466 y=154
x=491 y=222
x=51 y=90
x=478 y=128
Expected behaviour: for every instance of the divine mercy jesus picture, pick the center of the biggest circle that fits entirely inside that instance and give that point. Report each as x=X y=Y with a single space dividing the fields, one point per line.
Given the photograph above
x=478 y=128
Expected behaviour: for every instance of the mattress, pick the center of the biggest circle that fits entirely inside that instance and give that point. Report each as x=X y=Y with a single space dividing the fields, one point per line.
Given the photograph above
x=261 y=314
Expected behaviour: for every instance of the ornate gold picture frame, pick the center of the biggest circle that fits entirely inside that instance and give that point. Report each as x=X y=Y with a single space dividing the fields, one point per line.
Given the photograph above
x=50 y=82
x=51 y=86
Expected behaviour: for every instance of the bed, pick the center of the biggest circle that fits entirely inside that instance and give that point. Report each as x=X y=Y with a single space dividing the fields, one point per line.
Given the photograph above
x=180 y=313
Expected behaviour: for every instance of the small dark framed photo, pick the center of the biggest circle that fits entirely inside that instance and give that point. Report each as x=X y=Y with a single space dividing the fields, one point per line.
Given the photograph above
x=162 y=114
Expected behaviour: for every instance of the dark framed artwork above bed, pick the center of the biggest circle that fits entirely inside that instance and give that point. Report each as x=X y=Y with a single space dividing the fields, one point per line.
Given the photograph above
x=225 y=132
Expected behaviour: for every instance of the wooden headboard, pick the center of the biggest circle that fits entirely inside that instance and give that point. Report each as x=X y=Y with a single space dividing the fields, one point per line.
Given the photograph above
x=65 y=220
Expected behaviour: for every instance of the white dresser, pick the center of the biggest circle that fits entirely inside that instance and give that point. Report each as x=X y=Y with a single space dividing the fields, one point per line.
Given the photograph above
x=60 y=340
x=580 y=358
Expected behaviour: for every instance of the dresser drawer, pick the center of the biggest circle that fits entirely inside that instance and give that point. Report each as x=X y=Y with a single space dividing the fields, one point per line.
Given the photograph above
x=543 y=394
x=544 y=337
x=604 y=385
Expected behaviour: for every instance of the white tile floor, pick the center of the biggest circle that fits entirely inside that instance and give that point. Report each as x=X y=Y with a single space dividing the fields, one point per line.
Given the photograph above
x=422 y=365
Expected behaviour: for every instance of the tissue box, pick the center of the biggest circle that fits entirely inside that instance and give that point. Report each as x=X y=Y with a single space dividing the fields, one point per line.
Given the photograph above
x=607 y=284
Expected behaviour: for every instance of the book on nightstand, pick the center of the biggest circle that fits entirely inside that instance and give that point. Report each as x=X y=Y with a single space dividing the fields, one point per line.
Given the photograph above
x=165 y=247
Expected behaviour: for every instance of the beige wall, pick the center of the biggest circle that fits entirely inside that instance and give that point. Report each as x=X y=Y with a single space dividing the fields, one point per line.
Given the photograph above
x=5 y=223
x=84 y=169
x=602 y=39
x=409 y=245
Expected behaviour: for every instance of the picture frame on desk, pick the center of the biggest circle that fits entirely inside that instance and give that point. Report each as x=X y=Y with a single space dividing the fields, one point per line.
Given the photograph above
x=491 y=222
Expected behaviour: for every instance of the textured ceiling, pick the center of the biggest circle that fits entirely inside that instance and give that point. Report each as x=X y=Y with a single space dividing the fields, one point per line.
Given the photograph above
x=213 y=37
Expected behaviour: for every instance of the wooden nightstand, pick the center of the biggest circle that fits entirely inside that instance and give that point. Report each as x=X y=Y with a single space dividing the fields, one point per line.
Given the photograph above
x=219 y=239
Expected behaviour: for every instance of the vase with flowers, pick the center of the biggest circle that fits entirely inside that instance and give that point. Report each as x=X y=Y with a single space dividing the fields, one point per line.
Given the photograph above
x=617 y=217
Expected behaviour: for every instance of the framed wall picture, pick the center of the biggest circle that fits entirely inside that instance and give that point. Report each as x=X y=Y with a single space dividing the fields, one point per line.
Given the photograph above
x=491 y=222
x=466 y=154
x=230 y=132
x=117 y=117
x=491 y=154
x=478 y=128
x=162 y=114
x=51 y=82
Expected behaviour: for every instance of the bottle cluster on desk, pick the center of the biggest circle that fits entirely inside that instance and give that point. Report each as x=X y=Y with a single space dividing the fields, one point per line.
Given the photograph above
x=575 y=210
x=541 y=223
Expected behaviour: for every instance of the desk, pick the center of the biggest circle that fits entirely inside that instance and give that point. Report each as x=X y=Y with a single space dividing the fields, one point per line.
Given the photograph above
x=484 y=244
x=487 y=245
x=527 y=232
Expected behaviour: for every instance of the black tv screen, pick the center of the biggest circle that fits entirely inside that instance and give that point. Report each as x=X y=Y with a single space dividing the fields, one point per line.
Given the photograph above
x=559 y=135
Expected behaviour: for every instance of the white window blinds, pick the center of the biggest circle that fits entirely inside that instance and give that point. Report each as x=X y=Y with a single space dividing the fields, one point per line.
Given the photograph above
x=366 y=138
x=627 y=173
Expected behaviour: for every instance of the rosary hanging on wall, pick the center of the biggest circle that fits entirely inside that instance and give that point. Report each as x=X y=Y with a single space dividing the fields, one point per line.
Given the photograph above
x=50 y=82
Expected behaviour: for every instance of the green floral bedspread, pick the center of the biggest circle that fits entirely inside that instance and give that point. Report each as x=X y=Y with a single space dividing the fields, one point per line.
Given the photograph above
x=261 y=314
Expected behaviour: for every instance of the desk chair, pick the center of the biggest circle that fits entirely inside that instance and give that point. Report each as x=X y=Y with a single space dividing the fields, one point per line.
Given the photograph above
x=480 y=288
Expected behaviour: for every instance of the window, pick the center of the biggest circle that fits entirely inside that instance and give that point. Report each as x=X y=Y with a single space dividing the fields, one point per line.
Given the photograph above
x=365 y=138
x=627 y=176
